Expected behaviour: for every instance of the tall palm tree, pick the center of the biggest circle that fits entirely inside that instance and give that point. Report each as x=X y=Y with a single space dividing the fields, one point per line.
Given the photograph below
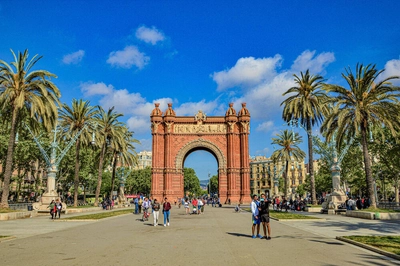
x=73 y=120
x=289 y=142
x=368 y=103
x=109 y=128
x=29 y=92
x=125 y=150
x=307 y=105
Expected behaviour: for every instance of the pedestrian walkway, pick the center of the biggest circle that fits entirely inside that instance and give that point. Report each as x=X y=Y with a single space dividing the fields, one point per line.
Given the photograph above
x=218 y=237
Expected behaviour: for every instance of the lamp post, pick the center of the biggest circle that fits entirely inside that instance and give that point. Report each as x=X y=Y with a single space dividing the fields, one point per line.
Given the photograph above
x=122 y=174
x=52 y=162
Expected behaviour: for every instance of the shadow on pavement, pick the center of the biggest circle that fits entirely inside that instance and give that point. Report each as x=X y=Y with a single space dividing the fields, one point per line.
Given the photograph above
x=239 y=234
x=327 y=242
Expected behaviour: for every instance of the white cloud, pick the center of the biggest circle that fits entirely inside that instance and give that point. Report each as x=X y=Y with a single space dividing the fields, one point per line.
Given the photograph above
x=73 y=58
x=191 y=108
x=265 y=126
x=247 y=72
x=91 y=89
x=149 y=35
x=139 y=124
x=392 y=68
x=308 y=60
x=264 y=82
x=130 y=56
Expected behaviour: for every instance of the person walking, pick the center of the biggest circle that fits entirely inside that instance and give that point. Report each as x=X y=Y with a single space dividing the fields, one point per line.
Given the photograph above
x=255 y=217
x=58 y=207
x=166 y=211
x=199 y=206
x=52 y=206
x=186 y=204
x=194 y=203
x=264 y=215
x=156 y=211
x=136 y=201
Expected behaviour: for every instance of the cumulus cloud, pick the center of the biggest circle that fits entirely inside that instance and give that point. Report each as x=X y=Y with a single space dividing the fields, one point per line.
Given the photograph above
x=91 y=89
x=191 y=108
x=149 y=35
x=308 y=60
x=392 y=68
x=265 y=126
x=263 y=81
x=247 y=72
x=127 y=58
x=73 y=58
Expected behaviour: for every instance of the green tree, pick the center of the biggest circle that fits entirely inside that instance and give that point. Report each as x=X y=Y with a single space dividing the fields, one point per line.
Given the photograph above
x=191 y=182
x=307 y=105
x=289 y=142
x=109 y=129
x=73 y=119
x=214 y=184
x=23 y=91
x=367 y=103
x=139 y=181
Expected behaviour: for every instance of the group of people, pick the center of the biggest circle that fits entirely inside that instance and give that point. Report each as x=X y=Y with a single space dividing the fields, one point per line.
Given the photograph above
x=359 y=203
x=55 y=208
x=197 y=205
x=260 y=215
x=146 y=204
x=297 y=204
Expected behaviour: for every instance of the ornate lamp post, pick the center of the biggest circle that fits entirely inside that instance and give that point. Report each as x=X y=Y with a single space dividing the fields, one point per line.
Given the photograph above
x=338 y=196
x=52 y=162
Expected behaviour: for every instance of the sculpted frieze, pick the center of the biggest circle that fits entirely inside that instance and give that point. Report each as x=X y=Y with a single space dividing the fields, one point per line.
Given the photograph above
x=200 y=128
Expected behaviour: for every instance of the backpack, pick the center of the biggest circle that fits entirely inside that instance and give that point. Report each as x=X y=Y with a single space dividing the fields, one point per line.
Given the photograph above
x=140 y=202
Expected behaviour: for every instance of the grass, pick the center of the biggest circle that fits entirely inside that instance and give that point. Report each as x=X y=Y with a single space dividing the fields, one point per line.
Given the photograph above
x=5 y=210
x=289 y=215
x=386 y=243
x=371 y=209
x=3 y=236
x=98 y=216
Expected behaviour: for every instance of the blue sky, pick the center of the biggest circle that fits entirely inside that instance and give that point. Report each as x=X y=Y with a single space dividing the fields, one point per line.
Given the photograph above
x=199 y=54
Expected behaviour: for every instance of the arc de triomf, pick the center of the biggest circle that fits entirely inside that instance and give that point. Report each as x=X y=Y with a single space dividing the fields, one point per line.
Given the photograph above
x=225 y=137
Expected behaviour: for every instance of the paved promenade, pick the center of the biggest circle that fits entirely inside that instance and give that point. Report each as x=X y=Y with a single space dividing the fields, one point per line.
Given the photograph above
x=218 y=237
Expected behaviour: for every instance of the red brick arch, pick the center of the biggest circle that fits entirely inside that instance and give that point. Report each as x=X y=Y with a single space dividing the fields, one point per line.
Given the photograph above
x=226 y=137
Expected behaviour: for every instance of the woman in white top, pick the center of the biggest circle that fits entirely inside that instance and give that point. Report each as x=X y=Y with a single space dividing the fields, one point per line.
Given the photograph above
x=186 y=205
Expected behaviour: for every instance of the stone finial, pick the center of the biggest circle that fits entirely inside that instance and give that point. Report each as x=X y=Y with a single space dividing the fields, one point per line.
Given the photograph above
x=169 y=111
x=244 y=110
x=156 y=111
x=230 y=110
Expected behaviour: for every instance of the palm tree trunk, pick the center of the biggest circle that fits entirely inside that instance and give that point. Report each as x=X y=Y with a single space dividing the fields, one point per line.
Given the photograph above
x=286 y=178
x=367 y=163
x=311 y=163
x=113 y=173
x=9 y=160
x=100 y=176
x=77 y=166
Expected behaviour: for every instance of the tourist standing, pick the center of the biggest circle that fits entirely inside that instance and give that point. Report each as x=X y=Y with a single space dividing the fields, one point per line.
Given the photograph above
x=140 y=205
x=199 y=205
x=255 y=217
x=186 y=204
x=156 y=210
x=194 y=203
x=264 y=215
x=136 y=201
x=52 y=206
x=166 y=211
x=58 y=207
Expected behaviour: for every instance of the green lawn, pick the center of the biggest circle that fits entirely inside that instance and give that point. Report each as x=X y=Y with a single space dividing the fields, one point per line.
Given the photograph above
x=101 y=215
x=3 y=236
x=386 y=243
x=370 y=209
x=289 y=215
x=8 y=210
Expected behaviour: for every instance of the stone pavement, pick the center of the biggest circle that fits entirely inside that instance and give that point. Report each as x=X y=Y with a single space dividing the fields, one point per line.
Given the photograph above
x=218 y=237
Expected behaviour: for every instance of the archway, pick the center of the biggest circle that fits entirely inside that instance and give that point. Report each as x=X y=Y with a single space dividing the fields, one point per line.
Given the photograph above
x=226 y=137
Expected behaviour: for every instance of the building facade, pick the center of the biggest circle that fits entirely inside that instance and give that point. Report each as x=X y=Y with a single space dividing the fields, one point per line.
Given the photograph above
x=144 y=159
x=265 y=175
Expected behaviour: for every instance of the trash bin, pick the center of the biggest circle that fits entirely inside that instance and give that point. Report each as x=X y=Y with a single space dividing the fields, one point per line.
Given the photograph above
x=30 y=208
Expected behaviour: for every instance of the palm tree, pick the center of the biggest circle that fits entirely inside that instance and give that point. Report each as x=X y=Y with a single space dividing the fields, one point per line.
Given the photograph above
x=307 y=106
x=125 y=150
x=73 y=120
x=109 y=129
x=368 y=103
x=289 y=151
x=29 y=92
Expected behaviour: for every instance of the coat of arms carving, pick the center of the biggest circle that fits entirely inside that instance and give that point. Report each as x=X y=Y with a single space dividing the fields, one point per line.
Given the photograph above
x=200 y=117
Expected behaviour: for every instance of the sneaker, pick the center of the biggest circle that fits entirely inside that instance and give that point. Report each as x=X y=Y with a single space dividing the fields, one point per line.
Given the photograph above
x=269 y=238
x=167 y=224
x=253 y=236
x=259 y=236
x=155 y=225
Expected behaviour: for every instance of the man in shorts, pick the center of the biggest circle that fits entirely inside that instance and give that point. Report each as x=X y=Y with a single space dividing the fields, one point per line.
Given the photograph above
x=255 y=217
x=264 y=215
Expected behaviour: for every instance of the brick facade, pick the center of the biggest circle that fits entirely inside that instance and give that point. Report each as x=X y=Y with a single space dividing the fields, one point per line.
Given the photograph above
x=226 y=137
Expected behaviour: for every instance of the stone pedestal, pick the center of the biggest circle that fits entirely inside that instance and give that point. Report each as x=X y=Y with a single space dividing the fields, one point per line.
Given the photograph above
x=333 y=201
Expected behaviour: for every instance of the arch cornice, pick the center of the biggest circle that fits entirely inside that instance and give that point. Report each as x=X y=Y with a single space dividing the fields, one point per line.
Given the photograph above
x=200 y=143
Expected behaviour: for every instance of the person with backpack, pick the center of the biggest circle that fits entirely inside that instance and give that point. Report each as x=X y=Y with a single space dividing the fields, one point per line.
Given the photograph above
x=166 y=211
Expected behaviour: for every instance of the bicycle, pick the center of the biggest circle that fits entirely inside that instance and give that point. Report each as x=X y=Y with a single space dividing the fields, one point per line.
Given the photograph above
x=146 y=215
